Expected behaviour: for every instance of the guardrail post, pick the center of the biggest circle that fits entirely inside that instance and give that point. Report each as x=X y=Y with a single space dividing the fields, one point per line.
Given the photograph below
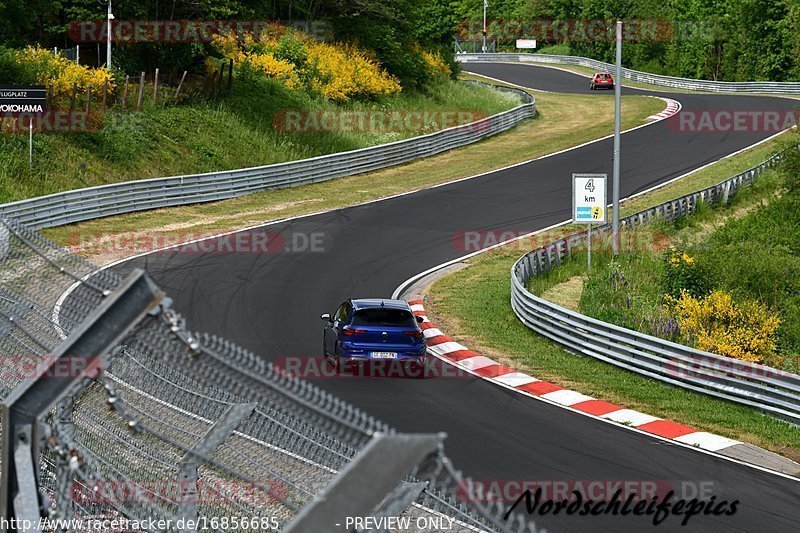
x=86 y=349
x=726 y=190
x=213 y=439
x=547 y=262
x=364 y=483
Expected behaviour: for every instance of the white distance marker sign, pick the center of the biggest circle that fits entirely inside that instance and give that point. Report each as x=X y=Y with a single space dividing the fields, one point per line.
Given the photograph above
x=526 y=43
x=589 y=198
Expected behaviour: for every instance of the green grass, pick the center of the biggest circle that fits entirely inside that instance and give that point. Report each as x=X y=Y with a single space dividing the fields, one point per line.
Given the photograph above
x=234 y=131
x=480 y=294
x=559 y=125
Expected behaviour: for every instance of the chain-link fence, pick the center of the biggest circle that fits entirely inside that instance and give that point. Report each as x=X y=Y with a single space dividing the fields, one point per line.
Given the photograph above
x=474 y=46
x=169 y=426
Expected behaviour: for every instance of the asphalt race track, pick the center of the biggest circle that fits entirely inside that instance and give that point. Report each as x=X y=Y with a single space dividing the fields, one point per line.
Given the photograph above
x=270 y=303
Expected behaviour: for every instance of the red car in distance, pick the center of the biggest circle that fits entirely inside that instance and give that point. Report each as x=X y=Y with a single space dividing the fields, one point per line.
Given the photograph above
x=602 y=80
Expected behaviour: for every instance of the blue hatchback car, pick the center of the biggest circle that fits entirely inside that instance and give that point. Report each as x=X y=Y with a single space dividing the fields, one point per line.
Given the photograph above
x=373 y=330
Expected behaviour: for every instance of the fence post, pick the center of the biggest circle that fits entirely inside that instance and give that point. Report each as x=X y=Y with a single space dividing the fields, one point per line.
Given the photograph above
x=141 y=92
x=105 y=90
x=88 y=97
x=180 y=84
x=155 y=87
x=230 y=74
x=87 y=349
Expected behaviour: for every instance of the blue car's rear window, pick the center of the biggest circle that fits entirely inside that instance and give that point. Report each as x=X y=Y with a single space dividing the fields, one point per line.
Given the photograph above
x=384 y=317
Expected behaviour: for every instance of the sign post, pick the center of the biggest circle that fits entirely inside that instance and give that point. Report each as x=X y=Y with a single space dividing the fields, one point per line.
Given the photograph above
x=617 y=126
x=485 y=6
x=589 y=204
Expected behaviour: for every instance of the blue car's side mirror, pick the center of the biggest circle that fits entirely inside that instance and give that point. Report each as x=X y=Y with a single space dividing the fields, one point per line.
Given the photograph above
x=325 y=316
x=419 y=319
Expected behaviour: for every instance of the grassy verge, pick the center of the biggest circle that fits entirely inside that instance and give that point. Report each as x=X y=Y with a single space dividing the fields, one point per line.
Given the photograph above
x=559 y=125
x=480 y=295
x=235 y=131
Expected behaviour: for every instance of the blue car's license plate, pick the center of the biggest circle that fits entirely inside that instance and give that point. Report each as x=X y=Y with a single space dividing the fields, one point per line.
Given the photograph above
x=384 y=355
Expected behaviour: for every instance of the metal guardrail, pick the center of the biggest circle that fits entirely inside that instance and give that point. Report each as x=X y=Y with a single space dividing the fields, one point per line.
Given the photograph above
x=127 y=197
x=767 y=87
x=764 y=388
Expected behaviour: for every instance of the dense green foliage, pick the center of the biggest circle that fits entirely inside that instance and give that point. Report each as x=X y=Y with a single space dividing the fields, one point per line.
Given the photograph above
x=735 y=40
x=391 y=28
x=713 y=39
x=758 y=256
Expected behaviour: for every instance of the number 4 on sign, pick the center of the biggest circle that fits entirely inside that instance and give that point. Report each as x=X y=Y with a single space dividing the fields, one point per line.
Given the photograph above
x=590 y=185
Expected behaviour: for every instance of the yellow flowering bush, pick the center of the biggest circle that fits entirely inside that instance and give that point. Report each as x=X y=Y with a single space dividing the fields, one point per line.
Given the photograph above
x=60 y=74
x=683 y=273
x=436 y=66
x=277 y=68
x=344 y=72
x=339 y=72
x=681 y=257
x=717 y=324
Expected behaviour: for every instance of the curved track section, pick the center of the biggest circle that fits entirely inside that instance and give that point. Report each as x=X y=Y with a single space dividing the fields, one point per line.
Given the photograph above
x=270 y=303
